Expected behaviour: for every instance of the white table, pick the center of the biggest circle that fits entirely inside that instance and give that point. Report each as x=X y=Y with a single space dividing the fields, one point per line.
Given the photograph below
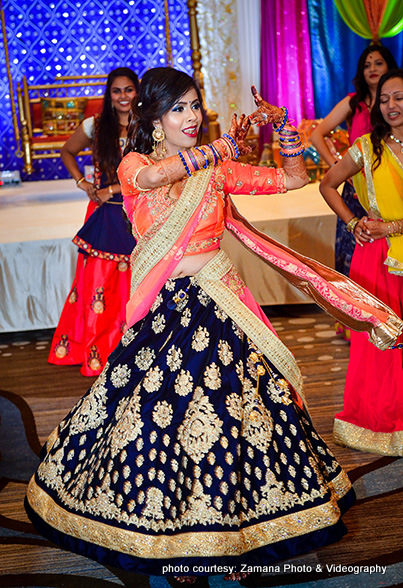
x=37 y=258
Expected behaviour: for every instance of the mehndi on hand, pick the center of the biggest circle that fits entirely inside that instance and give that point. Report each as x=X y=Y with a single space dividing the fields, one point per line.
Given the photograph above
x=266 y=113
x=238 y=131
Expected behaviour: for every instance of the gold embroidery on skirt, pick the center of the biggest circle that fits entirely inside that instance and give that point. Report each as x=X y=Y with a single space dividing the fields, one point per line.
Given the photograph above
x=128 y=422
x=210 y=279
x=91 y=413
x=206 y=544
x=201 y=427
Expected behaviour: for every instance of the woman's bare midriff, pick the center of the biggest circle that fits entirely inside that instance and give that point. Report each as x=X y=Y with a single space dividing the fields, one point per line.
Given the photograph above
x=191 y=264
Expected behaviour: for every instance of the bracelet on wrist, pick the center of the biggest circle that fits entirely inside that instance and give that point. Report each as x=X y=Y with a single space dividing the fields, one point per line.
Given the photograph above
x=395 y=229
x=233 y=143
x=283 y=154
x=80 y=180
x=352 y=223
x=185 y=165
x=279 y=126
x=110 y=189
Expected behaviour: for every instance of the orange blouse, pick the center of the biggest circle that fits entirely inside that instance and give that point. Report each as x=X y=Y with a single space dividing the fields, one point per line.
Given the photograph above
x=229 y=177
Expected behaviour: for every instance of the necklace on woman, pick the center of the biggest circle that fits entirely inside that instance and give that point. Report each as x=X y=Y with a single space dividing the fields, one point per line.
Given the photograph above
x=396 y=140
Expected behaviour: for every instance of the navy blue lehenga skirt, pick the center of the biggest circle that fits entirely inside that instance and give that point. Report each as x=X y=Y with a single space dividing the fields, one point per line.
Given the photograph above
x=188 y=451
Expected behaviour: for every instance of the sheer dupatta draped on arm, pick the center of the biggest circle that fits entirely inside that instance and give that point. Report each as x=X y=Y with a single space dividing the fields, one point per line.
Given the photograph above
x=164 y=243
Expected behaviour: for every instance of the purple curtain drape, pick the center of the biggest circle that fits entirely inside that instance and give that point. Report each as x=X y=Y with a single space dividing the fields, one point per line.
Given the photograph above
x=286 y=71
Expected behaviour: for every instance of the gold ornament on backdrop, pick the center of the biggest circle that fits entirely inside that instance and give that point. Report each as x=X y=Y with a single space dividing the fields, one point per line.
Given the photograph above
x=158 y=136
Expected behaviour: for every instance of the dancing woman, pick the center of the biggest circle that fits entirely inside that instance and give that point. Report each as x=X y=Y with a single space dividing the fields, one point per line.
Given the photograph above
x=372 y=415
x=193 y=449
x=94 y=318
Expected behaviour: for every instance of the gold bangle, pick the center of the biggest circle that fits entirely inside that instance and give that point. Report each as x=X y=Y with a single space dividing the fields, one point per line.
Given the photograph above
x=110 y=189
x=82 y=179
x=352 y=223
x=396 y=227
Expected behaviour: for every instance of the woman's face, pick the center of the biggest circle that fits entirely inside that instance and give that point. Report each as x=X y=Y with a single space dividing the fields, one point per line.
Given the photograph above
x=182 y=122
x=391 y=102
x=122 y=93
x=374 y=67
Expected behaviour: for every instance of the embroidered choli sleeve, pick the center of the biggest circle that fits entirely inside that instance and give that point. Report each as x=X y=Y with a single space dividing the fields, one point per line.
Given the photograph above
x=239 y=178
x=355 y=152
x=128 y=171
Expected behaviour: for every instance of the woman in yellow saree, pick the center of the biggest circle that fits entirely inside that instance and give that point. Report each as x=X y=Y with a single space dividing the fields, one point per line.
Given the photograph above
x=372 y=415
x=193 y=453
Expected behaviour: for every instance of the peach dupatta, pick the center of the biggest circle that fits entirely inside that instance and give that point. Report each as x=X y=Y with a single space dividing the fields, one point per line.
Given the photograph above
x=163 y=245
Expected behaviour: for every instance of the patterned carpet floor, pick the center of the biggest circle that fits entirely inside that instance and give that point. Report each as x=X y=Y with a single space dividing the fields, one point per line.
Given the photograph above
x=35 y=396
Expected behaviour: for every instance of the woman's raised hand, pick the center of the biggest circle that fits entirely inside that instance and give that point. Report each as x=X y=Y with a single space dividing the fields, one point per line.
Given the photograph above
x=238 y=131
x=266 y=113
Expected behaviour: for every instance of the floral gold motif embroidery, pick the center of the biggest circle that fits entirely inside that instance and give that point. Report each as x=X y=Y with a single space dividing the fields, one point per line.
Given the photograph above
x=91 y=413
x=200 y=339
x=129 y=423
x=153 y=379
x=144 y=358
x=162 y=414
x=224 y=352
x=128 y=337
x=174 y=358
x=185 y=318
x=157 y=302
x=183 y=383
x=120 y=375
x=158 y=324
x=220 y=314
x=212 y=377
x=201 y=427
x=203 y=297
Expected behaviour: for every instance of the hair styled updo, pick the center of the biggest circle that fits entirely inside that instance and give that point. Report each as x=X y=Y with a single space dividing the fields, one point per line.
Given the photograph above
x=160 y=89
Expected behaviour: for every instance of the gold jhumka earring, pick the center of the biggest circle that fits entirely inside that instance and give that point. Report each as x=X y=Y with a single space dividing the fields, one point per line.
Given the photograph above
x=158 y=136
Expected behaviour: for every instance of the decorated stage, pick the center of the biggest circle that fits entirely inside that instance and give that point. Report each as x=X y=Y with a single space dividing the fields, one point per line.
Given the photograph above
x=37 y=258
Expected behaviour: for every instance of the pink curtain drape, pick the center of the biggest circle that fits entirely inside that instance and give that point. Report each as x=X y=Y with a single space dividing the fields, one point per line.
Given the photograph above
x=286 y=73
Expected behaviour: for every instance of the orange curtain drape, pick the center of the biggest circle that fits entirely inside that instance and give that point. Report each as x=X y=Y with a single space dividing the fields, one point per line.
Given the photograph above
x=372 y=19
x=375 y=11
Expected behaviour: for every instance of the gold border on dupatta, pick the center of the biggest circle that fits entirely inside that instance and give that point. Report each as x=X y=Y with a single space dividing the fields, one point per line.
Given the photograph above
x=163 y=233
x=198 y=543
x=395 y=265
x=351 y=435
x=209 y=279
x=366 y=153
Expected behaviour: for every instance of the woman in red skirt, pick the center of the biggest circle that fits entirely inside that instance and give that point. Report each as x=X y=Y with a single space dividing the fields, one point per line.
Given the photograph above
x=93 y=318
x=372 y=415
